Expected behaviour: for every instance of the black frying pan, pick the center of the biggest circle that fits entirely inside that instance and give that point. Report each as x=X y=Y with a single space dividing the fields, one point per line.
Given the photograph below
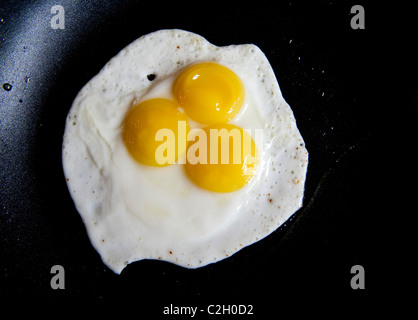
x=352 y=96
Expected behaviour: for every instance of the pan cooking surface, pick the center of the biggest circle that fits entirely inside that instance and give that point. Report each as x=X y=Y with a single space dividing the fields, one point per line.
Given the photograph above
x=353 y=98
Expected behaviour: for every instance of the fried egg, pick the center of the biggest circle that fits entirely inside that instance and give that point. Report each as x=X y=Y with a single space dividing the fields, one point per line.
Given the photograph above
x=188 y=210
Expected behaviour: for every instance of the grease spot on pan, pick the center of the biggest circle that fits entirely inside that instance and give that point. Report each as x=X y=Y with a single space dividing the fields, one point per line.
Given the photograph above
x=7 y=86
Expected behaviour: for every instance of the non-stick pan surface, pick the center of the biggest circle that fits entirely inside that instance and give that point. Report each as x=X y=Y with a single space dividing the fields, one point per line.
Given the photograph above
x=352 y=93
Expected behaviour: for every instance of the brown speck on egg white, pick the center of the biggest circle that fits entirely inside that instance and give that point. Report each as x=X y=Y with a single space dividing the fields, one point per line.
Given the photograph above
x=151 y=76
x=270 y=200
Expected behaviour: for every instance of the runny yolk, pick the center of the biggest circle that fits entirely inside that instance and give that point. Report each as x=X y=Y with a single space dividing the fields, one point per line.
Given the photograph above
x=209 y=92
x=141 y=125
x=229 y=160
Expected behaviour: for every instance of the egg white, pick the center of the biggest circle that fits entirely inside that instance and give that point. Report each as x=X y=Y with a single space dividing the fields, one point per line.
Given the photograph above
x=132 y=211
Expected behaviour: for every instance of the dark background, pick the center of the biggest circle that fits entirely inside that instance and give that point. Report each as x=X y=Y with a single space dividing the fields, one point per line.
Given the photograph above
x=354 y=96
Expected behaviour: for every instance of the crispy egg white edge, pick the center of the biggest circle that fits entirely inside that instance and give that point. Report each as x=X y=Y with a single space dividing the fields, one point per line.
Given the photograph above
x=287 y=161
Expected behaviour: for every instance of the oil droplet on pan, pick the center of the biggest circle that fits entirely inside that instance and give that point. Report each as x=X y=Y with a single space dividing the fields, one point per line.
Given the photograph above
x=7 y=86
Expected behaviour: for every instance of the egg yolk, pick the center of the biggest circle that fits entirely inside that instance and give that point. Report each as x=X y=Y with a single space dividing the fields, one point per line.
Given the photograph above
x=150 y=127
x=223 y=158
x=209 y=93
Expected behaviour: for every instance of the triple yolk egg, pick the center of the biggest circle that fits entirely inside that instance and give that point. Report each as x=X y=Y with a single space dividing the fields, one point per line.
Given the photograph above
x=209 y=94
